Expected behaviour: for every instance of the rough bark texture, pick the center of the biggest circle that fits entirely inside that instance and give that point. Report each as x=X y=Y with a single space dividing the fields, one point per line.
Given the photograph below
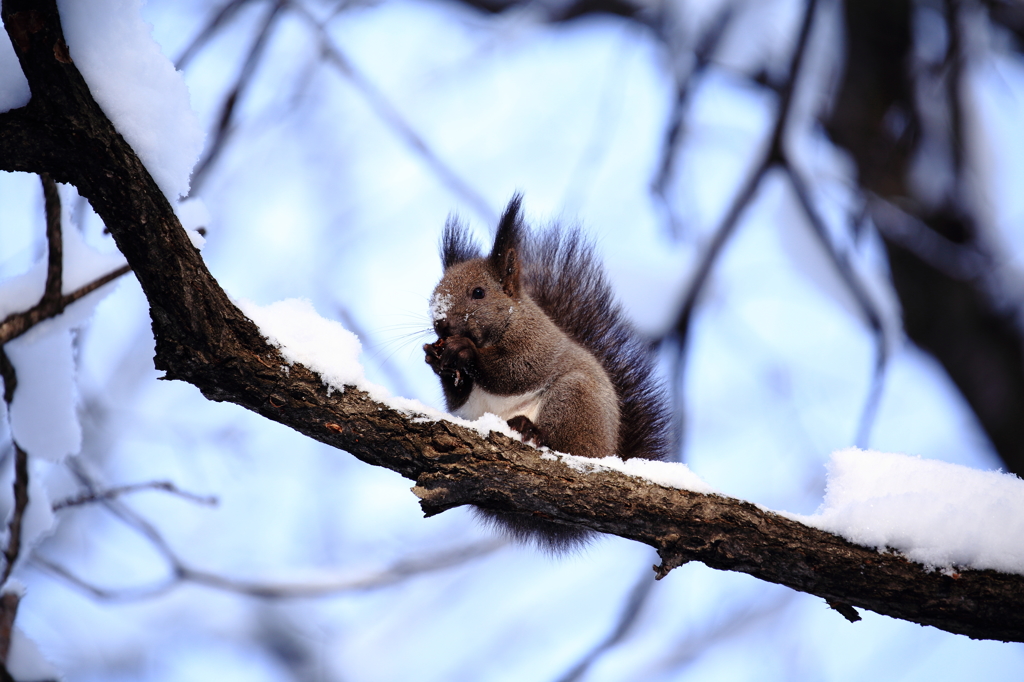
x=203 y=339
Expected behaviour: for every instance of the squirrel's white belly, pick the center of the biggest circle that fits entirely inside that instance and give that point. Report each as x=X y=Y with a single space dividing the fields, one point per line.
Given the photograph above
x=505 y=406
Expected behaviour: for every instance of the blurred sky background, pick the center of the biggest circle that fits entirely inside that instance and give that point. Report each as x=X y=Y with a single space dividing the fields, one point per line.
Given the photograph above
x=319 y=193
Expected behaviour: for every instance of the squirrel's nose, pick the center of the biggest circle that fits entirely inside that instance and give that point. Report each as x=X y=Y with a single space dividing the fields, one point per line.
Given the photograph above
x=443 y=329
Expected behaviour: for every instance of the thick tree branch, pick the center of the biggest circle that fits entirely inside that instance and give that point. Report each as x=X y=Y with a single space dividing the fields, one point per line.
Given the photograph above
x=203 y=339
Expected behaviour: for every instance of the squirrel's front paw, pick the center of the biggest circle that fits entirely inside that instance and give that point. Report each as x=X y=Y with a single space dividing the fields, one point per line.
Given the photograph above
x=527 y=429
x=433 y=352
x=459 y=353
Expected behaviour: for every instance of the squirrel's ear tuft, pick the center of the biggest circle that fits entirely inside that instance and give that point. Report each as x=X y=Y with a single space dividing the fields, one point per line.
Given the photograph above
x=505 y=254
x=456 y=245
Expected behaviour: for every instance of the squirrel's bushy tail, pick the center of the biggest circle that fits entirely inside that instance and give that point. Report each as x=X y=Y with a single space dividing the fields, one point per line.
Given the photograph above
x=562 y=275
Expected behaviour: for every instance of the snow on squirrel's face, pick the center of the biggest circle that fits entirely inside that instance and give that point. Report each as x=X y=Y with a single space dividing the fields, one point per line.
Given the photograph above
x=469 y=301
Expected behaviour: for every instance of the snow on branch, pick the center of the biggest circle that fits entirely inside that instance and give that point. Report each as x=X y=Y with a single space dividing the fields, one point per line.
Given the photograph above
x=202 y=337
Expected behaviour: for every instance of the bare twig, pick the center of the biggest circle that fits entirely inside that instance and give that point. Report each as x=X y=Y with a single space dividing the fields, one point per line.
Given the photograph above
x=225 y=121
x=703 y=54
x=16 y=324
x=111 y=493
x=866 y=304
x=634 y=605
x=216 y=22
x=9 y=375
x=181 y=572
x=392 y=118
x=397 y=572
x=54 y=241
x=9 y=602
x=961 y=262
x=777 y=156
x=13 y=549
x=774 y=154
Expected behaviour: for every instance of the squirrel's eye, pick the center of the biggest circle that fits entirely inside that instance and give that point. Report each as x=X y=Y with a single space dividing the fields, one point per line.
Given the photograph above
x=478 y=293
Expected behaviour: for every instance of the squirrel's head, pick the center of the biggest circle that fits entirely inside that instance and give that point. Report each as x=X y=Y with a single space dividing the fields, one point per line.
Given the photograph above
x=478 y=295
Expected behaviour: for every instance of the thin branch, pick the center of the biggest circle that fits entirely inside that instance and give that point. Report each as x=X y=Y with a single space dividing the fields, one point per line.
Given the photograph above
x=634 y=605
x=873 y=399
x=399 y=571
x=16 y=324
x=9 y=601
x=215 y=24
x=181 y=572
x=703 y=54
x=774 y=154
x=389 y=114
x=127 y=515
x=866 y=304
x=120 y=595
x=13 y=549
x=9 y=375
x=962 y=262
x=111 y=493
x=955 y=61
x=225 y=120
x=54 y=241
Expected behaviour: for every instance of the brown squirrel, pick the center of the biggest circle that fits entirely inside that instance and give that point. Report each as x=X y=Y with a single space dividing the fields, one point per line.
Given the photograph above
x=531 y=333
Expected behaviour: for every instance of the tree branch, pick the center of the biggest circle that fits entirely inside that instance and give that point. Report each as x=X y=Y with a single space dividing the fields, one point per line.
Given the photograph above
x=89 y=497
x=13 y=549
x=203 y=339
x=54 y=242
x=399 y=571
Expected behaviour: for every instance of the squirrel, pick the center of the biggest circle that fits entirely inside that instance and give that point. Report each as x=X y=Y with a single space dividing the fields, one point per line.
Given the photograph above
x=531 y=333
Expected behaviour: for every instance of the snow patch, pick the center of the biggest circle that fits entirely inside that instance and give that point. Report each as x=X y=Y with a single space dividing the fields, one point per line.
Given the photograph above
x=303 y=337
x=43 y=414
x=136 y=86
x=26 y=662
x=939 y=514
x=440 y=304
x=668 y=474
x=14 y=90
x=330 y=350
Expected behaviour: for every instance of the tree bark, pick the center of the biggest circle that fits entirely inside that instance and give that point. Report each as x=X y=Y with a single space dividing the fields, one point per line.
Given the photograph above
x=202 y=338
